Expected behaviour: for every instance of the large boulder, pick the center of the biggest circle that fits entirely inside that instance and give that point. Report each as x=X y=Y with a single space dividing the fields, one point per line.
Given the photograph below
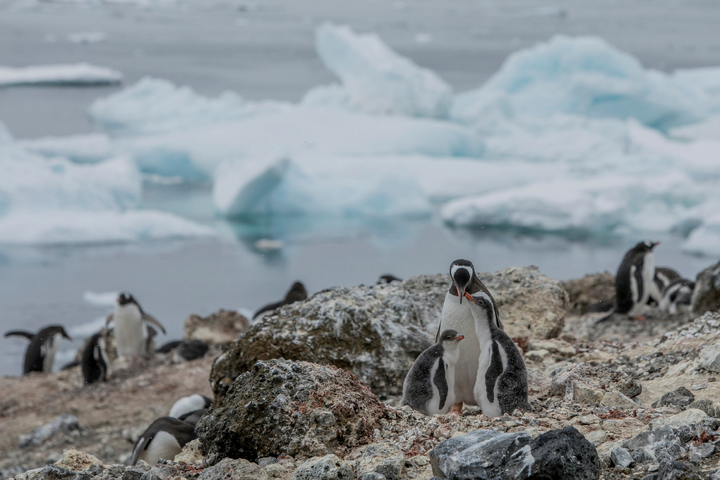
x=489 y=455
x=376 y=332
x=282 y=407
x=219 y=328
x=589 y=290
x=706 y=296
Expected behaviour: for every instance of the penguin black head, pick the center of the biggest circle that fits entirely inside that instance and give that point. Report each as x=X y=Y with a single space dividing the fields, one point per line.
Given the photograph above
x=388 y=279
x=125 y=298
x=296 y=293
x=450 y=336
x=646 y=246
x=54 y=330
x=462 y=273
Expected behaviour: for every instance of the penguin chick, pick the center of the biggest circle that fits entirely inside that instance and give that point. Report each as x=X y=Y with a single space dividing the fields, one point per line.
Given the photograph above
x=132 y=330
x=634 y=279
x=663 y=277
x=296 y=293
x=40 y=354
x=501 y=384
x=429 y=386
x=189 y=404
x=677 y=296
x=164 y=438
x=95 y=363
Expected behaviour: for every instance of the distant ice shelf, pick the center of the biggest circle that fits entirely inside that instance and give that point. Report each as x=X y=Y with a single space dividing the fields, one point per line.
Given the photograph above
x=79 y=74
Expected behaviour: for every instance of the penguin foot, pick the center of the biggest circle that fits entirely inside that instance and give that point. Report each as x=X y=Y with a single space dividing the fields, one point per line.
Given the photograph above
x=456 y=409
x=639 y=317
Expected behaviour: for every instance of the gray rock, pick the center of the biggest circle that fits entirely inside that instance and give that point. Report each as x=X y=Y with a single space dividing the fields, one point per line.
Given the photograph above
x=230 y=469
x=644 y=439
x=711 y=408
x=385 y=459
x=373 y=476
x=706 y=295
x=329 y=467
x=681 y=398
x=440 y=456
x=265 y=461
x=710 y=358
x=65 y=423
x=219 y=328
x=563 y=455
x=587 y=382
x=290 y=408
x=685 y=418
x=674 y=470
x=698 y=452
x=621 y=457
x=589 y=290
x=376 y=332
x=715 y=475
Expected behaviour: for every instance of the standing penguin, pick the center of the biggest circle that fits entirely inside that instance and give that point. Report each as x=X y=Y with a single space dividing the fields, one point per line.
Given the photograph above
x=501 y=384
x=677 y=296
x=429 y=386
x=131 y=326
x=95 y=364
x=164 y=438
x=457 y=316
x=296 y=293
x=634 y=280
x=40 y=354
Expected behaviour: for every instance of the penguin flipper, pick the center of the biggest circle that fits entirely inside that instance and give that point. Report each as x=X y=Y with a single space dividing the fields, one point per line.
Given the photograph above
x=141 y=446
x=109 y=319
x=606 y=317
x=19 y=333
x=153 y=320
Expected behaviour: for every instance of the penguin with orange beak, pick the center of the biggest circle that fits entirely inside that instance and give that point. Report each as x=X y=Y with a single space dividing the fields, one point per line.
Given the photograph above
x=429 y=386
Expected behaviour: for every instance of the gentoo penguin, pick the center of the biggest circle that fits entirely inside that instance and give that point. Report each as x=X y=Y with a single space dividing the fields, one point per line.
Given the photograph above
x=190 y=350
x=189 y=404
x=169 y=346
x=164 y=438
x=501 y=384
x=95 y=363
x=677 y=296
x=456 y=315
x=633 y=281
x=131 y=326
x=296 y=293
x=429 y=386
x=40 y=354
x=663 y=277
x=388 y=279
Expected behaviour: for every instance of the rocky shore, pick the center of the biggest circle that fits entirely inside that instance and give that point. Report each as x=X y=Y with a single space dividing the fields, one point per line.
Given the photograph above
x=311 y=391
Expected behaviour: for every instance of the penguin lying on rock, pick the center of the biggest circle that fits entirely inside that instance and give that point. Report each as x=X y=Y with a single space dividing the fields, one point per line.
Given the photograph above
x=296 y=293
x=40 y=354
x=501 y=384
x=132 y=328
x=677 y=296
x=164 y=438
x=634 y=280
x=189 y=404
x=429 y=386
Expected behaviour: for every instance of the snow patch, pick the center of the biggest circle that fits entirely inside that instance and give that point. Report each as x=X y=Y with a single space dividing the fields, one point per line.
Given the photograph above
x=79 y=74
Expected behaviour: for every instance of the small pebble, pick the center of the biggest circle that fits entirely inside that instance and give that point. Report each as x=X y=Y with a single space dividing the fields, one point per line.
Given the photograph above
x=699 y=386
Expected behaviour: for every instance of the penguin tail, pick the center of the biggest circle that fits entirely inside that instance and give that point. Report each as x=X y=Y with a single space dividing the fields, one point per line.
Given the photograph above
x=607 y=316
x=19 y=333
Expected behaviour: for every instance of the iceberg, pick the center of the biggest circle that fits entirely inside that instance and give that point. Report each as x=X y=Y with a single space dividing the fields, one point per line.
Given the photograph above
x=584 y=76
x=52 y=201
x=375 y=78
x=79 y=74
x=90 y=148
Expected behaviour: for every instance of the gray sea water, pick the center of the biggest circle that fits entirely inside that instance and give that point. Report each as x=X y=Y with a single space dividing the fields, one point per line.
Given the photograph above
x=265 y=50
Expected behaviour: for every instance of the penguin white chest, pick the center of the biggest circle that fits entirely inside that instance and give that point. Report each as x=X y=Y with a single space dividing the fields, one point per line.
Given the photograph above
x=130 y=331
x=458 y=317
x=49 y=350
x=163 y=445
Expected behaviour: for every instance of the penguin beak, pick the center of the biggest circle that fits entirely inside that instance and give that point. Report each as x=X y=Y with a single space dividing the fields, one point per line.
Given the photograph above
x=459 y=337
x=655 y=244
x=461 y=293
x=469 y=297
x=67 y=336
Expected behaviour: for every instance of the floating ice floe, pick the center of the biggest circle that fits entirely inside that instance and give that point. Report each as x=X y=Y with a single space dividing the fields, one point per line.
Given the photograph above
x=80 y=74
x=585 y=76
x=375 y=78
x=90 y=148
x=86 y=37
x=52 y=200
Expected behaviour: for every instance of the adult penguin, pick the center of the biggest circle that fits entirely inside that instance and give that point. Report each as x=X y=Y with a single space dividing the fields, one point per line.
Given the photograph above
x=40 y=354
x=634 y=280
x=457 y=315
x=132 y=327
